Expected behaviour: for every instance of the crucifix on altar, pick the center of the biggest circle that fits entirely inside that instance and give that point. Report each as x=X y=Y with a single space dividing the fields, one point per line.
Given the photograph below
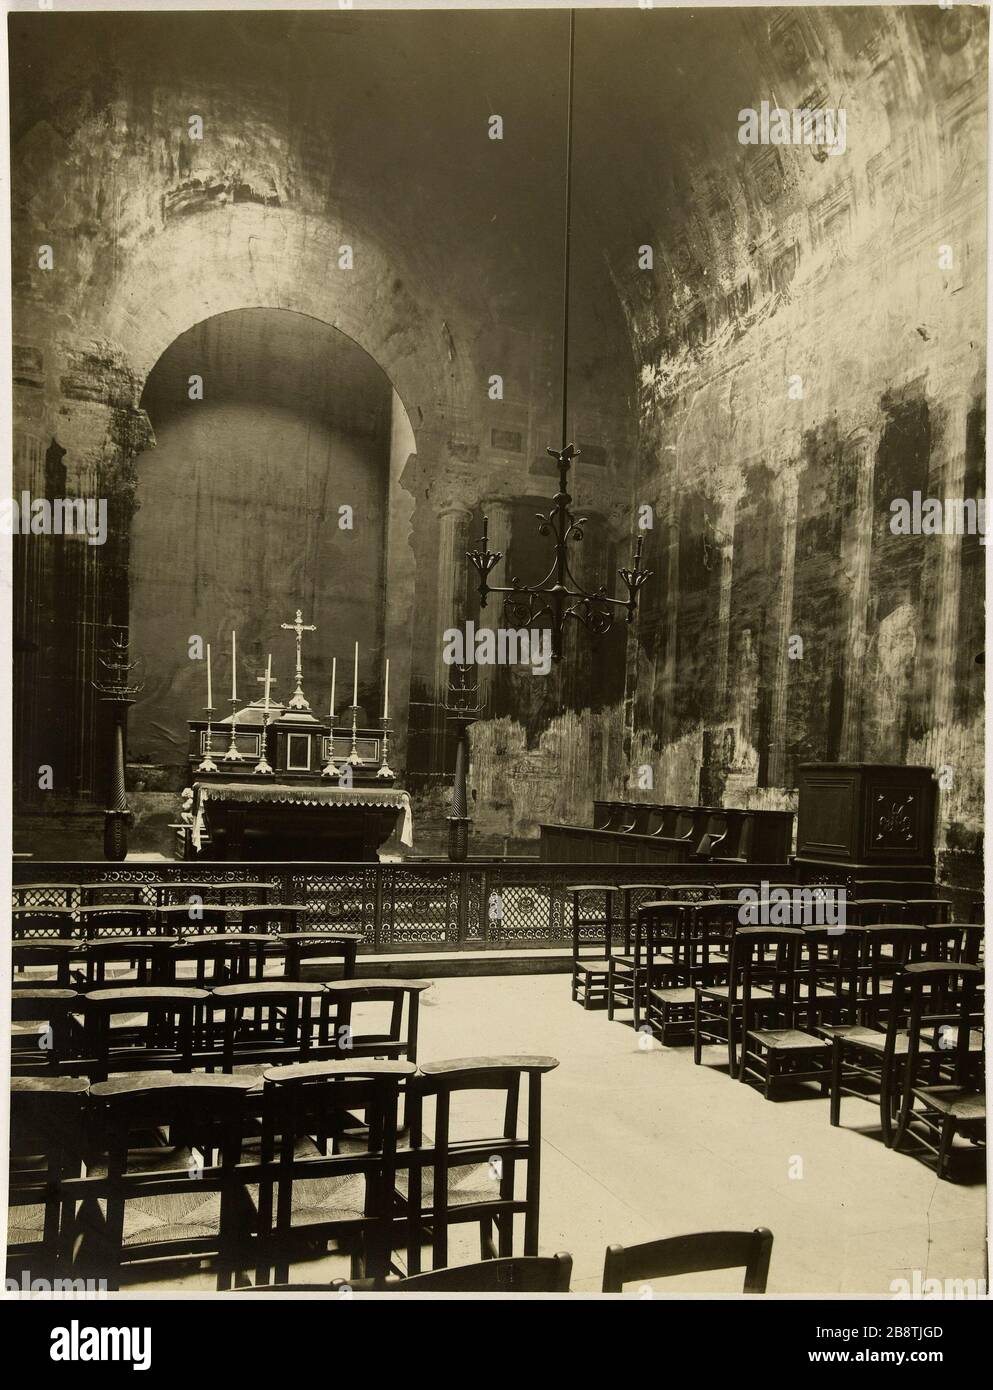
x=298 y=700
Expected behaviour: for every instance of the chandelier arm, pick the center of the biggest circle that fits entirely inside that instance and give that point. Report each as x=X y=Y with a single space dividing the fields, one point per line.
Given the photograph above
x=595 y=620
x=544 y=584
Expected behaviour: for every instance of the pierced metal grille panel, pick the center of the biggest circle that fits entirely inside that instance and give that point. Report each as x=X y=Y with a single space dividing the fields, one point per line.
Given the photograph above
x=420 y=905
x=390 y=905
x=338 y=902
x=520 y=912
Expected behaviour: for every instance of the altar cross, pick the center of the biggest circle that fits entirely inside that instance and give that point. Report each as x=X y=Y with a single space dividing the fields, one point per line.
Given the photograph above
x=298 y=700
x=260 y=680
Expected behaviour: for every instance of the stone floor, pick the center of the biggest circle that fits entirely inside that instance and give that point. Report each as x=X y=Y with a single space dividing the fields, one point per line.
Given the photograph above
x=641 y=1144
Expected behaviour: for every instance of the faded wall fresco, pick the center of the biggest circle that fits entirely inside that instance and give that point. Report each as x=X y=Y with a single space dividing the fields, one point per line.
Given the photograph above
x=779 y=270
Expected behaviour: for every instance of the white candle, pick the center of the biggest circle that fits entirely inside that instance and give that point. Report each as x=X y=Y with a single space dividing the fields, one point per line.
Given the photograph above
x=355 y=682
x=386 y=690
x=210 y=698
x=334 y=674
x=268 y=679
x=234 y=666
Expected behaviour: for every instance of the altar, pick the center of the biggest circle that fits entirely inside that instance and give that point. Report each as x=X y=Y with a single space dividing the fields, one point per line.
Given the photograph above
x=273 y=781
x=252 y=821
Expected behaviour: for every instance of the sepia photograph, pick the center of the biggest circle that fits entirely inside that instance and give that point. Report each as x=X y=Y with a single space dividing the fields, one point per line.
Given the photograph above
x=494 y=727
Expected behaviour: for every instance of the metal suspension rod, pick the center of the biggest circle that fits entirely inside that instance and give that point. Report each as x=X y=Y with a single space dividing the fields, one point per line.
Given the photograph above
x=568 y=231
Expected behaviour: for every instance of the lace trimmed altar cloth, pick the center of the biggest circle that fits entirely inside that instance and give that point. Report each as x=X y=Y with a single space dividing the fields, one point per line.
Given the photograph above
x=301 y=795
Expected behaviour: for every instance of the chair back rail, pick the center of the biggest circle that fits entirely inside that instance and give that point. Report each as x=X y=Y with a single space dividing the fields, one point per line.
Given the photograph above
x=691 y=1254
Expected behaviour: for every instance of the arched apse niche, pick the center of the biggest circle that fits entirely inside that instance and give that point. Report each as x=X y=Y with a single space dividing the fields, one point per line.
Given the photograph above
x=239 y=522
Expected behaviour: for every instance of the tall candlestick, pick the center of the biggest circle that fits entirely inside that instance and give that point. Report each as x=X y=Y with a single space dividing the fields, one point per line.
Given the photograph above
x=234 y=665
x=262 y=766
x=386 y=691
x=330 y=768
x=207 y=763
x=355 y=682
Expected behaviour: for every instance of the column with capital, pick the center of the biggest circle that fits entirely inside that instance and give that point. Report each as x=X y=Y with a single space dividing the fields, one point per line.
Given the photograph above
x=450 y=610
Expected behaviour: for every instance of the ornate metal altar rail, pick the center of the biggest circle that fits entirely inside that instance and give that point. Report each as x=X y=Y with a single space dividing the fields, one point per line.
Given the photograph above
x=403 y=906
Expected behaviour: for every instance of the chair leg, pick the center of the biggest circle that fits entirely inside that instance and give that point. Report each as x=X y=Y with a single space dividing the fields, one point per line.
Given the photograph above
x=487 y=1245
x=889 y=1094
x=697 y=1040
x=835 y=1115
x=945 y=1147
x=771 y=1072
x=505 y=1234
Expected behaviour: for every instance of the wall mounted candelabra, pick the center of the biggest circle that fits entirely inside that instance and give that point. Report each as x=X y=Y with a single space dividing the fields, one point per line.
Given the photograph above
x=117 y=689
x=462 y=710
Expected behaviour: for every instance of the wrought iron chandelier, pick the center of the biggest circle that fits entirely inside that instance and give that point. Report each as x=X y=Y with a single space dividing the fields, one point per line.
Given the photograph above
x=559 y=596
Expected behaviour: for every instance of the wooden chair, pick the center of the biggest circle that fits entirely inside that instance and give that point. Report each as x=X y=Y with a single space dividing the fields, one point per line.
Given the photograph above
x=923 y=911
x=868 y=1055
x=890 y=888
x=517 y=1274
x=223 y=958
x=134 y=961
x=107 y=921
x=230 y=893
x=50 y=961
x=321 y=1178
x=46 y=1149
x=944 y=1002
x=38 y=896
x=394 y=1037
x=664 y=993
x=273 y=919
x=953 y=941
x=45 y=923
x=43 y=1033
x=116 y=895
x=698 y=892
x=258 y=1025
x=625 y=965
x=768 y=958
x=886 y=948
x=157 y=1033
x=592 y=931
x=163 y=1183
x=866 y=912
x=691 y=1254
x=296 y=947
x=717 y=1004
x=828 y=976
x=485 y=1179
x=195 y=919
